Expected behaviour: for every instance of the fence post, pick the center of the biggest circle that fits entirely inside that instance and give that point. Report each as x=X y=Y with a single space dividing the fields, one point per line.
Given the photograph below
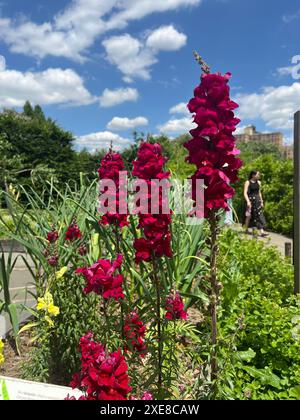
x=288 y=250
x=296 y=242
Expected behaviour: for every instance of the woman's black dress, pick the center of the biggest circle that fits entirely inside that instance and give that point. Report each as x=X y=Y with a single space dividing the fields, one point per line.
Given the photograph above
x=257 y=216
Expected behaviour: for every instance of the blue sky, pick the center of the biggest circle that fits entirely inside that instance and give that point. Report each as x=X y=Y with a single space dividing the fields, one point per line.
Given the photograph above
x=102 y=68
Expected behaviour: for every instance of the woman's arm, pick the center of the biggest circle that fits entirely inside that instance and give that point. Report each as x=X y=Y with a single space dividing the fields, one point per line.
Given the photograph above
x=246 y=193
x=260 y=196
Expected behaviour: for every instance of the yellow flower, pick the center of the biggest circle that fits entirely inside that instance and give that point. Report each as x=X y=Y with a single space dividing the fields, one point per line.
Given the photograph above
x=53 y=310
x=1 y=352
x=59 y=274
x=46 y=304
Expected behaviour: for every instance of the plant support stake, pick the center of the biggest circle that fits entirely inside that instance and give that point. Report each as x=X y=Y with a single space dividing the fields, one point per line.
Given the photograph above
x=296 y=242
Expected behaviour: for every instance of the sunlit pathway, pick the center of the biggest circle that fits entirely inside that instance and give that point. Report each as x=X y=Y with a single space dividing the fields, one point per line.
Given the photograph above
x=21 y=287
x=274 y=239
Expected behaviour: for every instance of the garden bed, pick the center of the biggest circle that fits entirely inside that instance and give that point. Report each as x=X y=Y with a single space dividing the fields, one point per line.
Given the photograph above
x=13 y=361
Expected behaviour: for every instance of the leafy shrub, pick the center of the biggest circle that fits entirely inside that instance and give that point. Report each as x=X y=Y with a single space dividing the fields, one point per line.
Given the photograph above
x=257 y=321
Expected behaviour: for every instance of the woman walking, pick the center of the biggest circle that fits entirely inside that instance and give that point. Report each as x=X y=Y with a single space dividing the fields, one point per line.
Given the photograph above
x=253 y=214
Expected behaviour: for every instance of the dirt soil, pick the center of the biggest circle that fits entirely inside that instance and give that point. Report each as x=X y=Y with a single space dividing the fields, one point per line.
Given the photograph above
x=13 y=361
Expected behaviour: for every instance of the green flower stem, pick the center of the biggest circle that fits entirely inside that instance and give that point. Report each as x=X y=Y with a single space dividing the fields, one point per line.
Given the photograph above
x=118 y=247
x=214 y=299
x=159 y=330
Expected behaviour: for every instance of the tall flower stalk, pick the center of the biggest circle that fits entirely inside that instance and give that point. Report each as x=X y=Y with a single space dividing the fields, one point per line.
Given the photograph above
x=155 y=226
x=213 y=150
x=110 y=169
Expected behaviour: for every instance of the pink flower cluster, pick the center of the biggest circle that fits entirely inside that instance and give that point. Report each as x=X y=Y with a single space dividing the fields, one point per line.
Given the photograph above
x=100 y=278
x=146 y=396
x=157 y=238
x=103 y=375
x=134 y=332
x=212 y=148
x=111 y=166
x=175 y=307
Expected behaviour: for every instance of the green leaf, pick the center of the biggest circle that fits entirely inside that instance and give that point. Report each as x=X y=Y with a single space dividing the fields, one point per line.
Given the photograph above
x=247 y=355
x=13 y=315
x=295 y=392
x=265 y=376
x=198 y=296
x=4 y=391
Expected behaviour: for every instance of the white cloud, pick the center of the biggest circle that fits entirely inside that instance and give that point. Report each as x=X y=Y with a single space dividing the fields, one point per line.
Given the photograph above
x=2 y=63
x=180 y=108
x=177 y=126
x=120 y=124
x=134 y=57
x=129 y=56
x=69 y=34
x=285 y=71
x=115 y=97
x=51 y=86
x=74 y=30
x=166 y=38
x=293 y=70
x=137 y=9
x=274 y=105
x=101 y=140
x=288 y=18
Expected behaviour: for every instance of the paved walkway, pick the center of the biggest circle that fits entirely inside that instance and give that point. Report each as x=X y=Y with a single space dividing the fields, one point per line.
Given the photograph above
x=274 y=239
x=21 y=283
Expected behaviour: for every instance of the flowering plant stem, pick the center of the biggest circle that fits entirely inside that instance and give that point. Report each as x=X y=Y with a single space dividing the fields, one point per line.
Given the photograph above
x=214 y=299
x=158 y=320
x=118 y=241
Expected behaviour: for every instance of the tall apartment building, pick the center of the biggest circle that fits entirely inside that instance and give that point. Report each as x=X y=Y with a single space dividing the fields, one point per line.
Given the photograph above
x=250 y=134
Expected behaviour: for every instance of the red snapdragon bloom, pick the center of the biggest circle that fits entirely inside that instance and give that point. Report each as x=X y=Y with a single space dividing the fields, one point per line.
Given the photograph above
x=156 y=240
x=103 y=375
x=111 y=166
x=150 y=162
x=212 y=147
x=52 y=236
x=73 y=232
x=101 y=280
x=175 y=307
x=134 y=332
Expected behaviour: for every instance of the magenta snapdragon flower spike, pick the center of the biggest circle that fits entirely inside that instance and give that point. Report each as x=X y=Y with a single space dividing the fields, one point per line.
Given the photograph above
x=175 y=307
x=212 y=147
x=102 y=280
x=156 y=240
x=111 y=166
x=134 y=333
x=103 y=375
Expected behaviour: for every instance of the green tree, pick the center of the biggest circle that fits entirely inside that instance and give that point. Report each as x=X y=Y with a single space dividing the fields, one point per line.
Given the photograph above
x=10 y=164
x=255 y=149
x=28 y=110
x=40 y=141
